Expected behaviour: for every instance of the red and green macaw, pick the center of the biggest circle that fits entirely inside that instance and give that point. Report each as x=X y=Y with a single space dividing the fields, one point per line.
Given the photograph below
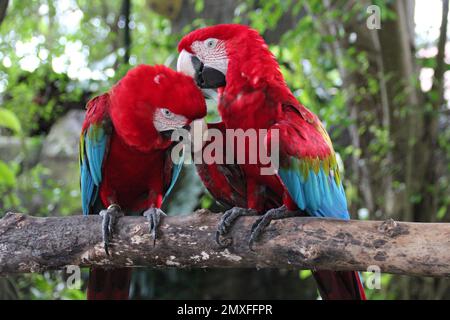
x=252 y=94
x=125 y=164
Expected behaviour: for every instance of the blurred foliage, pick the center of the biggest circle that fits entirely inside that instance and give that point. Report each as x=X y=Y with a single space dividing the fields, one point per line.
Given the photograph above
x=47 y=286
x=55 y=55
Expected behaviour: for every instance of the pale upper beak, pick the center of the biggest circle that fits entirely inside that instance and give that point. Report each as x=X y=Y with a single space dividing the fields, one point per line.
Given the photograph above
x=205 y=76
x=184 y=64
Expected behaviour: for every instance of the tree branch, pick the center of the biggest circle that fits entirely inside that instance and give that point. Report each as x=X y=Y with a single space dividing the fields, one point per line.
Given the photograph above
x=32 y=244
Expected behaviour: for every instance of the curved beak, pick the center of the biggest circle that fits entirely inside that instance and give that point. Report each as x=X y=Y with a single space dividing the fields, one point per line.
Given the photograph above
x=205 y=76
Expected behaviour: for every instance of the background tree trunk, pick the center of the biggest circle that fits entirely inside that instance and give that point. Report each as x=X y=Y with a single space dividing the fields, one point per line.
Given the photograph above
x=398 y=108
x=3 y=7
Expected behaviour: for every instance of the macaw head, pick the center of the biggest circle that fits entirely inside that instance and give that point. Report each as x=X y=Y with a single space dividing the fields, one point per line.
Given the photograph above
x=225 y=53
x=150 y=102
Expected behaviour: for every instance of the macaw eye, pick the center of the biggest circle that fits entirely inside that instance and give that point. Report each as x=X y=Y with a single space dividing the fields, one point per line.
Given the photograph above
x=210 y=43
x=167 y=113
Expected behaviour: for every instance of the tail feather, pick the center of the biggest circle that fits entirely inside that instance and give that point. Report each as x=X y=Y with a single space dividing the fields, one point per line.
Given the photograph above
x=113 y=284
x=339 y=285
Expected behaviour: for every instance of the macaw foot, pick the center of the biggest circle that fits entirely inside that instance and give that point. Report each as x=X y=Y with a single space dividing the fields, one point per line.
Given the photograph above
x=154 y=216
x=228 y=219
x=273 y=214
x=109 y=219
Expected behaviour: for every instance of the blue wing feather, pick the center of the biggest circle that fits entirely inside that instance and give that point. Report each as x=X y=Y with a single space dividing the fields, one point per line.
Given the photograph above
x=94 y=147
x=319 y=194
x=176 y=169
x=87 y=187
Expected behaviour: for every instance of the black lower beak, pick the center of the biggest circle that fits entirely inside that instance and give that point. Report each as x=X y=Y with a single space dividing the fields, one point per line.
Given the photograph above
x=167 y=134
x=207 y=77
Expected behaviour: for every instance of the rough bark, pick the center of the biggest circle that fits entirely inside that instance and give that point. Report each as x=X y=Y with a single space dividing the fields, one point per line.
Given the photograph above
x=32 y=244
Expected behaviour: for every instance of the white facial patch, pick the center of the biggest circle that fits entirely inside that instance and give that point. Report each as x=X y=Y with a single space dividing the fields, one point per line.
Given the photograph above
x=165 y=120
x=212 y=53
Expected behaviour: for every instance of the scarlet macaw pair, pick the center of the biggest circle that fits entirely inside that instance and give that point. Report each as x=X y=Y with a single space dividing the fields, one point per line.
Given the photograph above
x=124 y=148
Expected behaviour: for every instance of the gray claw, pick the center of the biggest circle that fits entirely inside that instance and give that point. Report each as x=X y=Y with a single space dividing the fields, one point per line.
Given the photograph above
x=261 y=223
x=257 y=228
x=227 y=221
x=154 y=216
x=109 y=219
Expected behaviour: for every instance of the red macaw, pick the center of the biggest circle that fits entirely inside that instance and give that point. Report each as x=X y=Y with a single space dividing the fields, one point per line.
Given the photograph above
x=252 y=94
x=125 y=163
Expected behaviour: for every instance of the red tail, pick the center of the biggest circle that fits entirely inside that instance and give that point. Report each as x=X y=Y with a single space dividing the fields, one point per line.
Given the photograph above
x=111 y=284
x=339 y=285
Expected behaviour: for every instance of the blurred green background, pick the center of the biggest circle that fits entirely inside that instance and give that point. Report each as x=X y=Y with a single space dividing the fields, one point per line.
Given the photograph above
x=382 y=94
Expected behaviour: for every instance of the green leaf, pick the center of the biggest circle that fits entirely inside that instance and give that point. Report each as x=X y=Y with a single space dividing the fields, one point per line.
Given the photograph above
x=199 y=6
x=9 y=120
x=206 y=201
x=7 y=176
x=304 y=274
x=441 y=213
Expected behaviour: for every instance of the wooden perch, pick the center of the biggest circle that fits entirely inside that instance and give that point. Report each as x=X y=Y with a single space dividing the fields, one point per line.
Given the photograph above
x=31 y=244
